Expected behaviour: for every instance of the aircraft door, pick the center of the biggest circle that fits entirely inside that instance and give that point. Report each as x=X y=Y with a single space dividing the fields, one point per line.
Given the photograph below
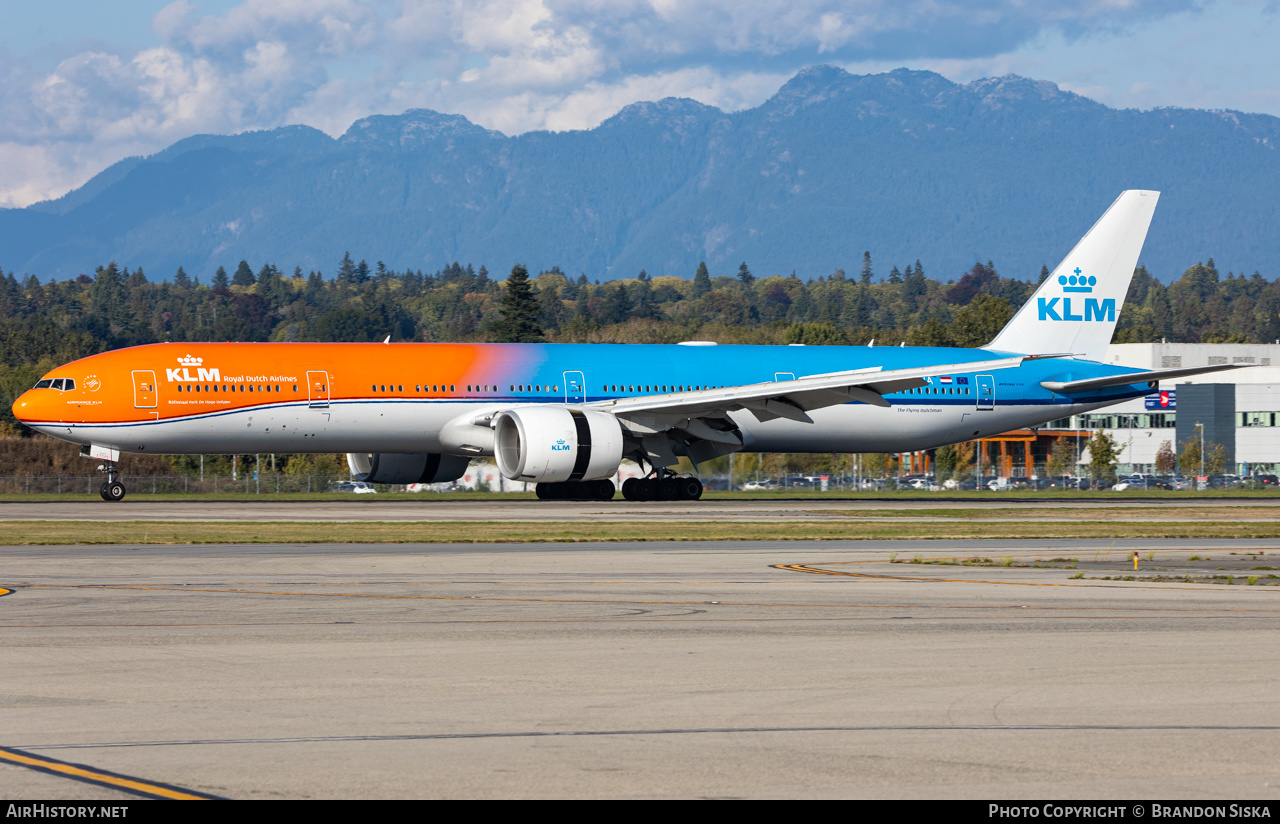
x=144 y=389
x=986 y=393
x=318 y=390
x=575 y=387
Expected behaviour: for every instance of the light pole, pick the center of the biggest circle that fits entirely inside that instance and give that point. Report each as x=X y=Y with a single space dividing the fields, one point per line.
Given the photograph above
x=1132 y=419
x=1200 y=426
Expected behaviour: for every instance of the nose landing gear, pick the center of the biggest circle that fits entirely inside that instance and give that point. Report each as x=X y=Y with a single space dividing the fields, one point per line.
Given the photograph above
x=111 y=489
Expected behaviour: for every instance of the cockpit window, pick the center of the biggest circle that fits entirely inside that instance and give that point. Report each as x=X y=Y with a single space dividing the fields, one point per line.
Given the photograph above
x=68 y=384
x=57 y=384
x=44 y=384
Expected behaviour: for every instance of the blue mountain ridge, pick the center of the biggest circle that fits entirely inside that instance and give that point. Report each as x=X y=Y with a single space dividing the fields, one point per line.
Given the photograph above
x=907 y=165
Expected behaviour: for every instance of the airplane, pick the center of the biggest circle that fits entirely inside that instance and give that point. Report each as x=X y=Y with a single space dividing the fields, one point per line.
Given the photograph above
x=564 y=416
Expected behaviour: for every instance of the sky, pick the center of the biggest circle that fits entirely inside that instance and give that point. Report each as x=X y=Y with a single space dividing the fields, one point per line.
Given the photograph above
x=88 y=83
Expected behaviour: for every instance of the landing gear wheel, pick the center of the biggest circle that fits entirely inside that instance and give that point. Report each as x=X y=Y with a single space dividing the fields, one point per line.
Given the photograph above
x=646 y=489
x=604 y=490
x=668 y=489
x=690 y=489
x=112 y=491
x=629 y=490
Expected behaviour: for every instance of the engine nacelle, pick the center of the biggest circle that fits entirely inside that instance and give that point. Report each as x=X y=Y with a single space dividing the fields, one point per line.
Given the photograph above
x=406 y=467
x=555 y=443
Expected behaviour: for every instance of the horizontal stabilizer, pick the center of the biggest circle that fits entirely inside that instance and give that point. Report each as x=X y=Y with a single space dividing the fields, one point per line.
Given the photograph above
x=1152 y=377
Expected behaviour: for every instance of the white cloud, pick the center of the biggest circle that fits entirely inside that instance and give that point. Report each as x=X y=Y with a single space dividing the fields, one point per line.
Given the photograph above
x=513 y=65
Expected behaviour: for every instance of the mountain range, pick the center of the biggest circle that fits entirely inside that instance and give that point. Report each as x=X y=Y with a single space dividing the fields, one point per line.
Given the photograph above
x=906 y=165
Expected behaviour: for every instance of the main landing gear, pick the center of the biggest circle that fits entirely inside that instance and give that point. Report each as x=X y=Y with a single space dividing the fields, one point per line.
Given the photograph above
x=662 y=488
x=112 y=489
x=575 y=491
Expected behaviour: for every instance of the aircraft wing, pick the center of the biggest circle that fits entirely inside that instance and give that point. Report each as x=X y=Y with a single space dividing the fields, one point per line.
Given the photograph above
x=1154 y=376
x=793 y=399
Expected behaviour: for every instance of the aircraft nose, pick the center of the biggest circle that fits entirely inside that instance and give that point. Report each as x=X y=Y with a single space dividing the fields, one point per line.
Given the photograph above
x=25 y=407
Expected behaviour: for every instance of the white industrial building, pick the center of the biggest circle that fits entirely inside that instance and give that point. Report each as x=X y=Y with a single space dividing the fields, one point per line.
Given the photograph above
x=1238 y=408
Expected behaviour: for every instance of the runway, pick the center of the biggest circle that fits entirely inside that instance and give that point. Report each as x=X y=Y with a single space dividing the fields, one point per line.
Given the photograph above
x=460 y=507
x=757 y=669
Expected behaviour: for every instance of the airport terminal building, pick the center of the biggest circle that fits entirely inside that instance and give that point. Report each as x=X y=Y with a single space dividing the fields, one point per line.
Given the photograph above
x=1238 y=409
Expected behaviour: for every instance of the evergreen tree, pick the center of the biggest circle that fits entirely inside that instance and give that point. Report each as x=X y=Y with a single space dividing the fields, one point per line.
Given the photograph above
x=518 y=312
x=744 y=275
x=1044 y=273
x=243 y=276
x=702 y=280
x=346 y=269
x=220 y=280
x=181 y=280
x=865 y=275
x=894 y=275
x=617 y=304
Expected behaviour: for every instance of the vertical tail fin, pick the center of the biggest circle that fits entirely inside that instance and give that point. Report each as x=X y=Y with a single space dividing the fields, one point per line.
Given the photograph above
x=1076 y=309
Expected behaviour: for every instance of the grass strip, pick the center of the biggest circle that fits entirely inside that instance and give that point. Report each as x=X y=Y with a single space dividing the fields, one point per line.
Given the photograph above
x=33 y=533
x=1219 y=513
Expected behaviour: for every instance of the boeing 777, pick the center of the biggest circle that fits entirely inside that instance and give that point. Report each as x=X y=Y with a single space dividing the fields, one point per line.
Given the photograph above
x=564 y=416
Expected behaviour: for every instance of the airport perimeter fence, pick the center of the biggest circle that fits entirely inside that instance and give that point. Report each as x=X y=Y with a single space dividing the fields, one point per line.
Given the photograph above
x=264 y=484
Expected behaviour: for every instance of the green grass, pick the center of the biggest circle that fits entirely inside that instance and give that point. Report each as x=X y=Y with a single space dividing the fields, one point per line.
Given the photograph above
x=19 y=533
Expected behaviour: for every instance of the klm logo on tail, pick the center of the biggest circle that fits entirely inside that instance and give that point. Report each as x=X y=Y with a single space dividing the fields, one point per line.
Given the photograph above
x=1094 y=310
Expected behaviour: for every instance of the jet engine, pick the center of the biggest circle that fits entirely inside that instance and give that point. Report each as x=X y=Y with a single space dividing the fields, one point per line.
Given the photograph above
x=406 y=467
x=554 y=443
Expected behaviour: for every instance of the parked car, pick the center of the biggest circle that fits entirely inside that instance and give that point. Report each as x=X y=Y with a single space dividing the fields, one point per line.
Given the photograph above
x=358 y=487
x=764 y=485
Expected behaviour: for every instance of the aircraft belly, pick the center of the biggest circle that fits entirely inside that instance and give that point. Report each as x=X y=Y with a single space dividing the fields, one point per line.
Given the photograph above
x=857 y=428
x=899 y=428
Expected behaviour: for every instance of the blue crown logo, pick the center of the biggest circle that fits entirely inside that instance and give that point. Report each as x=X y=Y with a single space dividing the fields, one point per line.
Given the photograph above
x=1077 y=282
